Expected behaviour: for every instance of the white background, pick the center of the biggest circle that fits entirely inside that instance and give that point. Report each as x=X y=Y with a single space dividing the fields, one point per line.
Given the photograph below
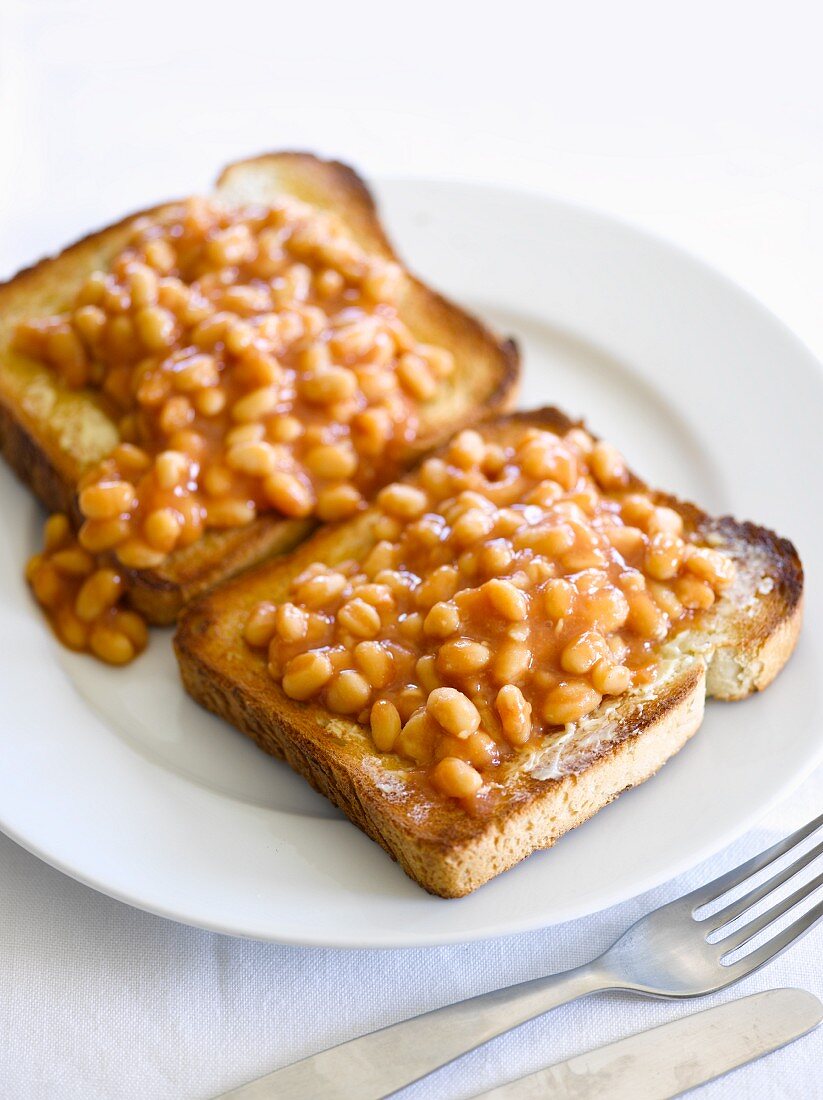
x=700 y=121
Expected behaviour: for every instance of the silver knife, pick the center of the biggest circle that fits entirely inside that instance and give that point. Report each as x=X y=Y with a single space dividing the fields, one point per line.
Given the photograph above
x=669 y=1060
x=655 y=1064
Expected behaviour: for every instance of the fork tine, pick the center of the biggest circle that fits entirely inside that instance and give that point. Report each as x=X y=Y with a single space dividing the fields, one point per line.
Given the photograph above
x=713 y=890
x=741 y=906
x=776 y=946
x=743 y=935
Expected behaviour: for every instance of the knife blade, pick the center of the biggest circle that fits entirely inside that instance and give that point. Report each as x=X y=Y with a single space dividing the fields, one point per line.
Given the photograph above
x=669 y=1060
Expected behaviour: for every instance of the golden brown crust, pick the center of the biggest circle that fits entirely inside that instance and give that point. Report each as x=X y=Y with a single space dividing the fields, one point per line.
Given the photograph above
x=49 y=436
x=446 y=850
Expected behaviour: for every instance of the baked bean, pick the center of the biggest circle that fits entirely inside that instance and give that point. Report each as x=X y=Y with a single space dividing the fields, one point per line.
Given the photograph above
x=426 y=673
x=378 y=559
x=666 y=599
x=261 y=625
x=442 y=620
x=440 y=360
x=90 y=323
x=47 y=584
x=665 y=521
x=386 y=528
x=72 y=561
x=258 y=459
x=456 y=779
x=693 y=593
x=285 y=429
x=104 y=534
x=608 y=466
x=288 y=494
x=609 y=678
x=326 y=387
x=411 y=626
x=306 y=674
x=418 y=738
x=348 y=692
x=435 y=477
x=581 y=654
x=160 y=256
x=495 y=557
x=467 y=450
x=375 y=662
x=385 y=725
x=371 y=430
x=558 y=598
x=338 y=502
x=645 y=617
x=627 y=541
x=72 y=631
x=402 y=501
x=92 y=290
x=321 y=590
x=461 y=657
x=637 y=510
x=477 y=749
x=130 y=460
x=511 y=662
x=378 y=595
x=537 y=457
x=198 y=372
x=156 y=327
x=98 y=593
x=710 y=566
x=569 y=702
x=507 y=600
x=56 y=533
x=162 y=529
x=106 y=500
x=335 y=461
x=663 y=557
x=409 y=700
x=552 y=540
x=291 y=622
x=255 y=405
x=66 y=351
x=472 y=526
x=438 y=586
x=580 y=440
x=136 y=554
x=171 y=468
x=110 y=645
x=607 y=608
x=415 y=377
x=360 y=618
x=452 y=710
x=133 y=626
x=176 y=413
x=515 y=714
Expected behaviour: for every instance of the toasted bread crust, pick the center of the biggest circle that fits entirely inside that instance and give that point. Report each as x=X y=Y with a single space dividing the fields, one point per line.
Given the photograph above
x=50 y=450
x=446 y=850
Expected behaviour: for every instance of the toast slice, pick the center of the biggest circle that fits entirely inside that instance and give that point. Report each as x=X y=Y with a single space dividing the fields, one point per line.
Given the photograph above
x=50 y=435
x=729 y=651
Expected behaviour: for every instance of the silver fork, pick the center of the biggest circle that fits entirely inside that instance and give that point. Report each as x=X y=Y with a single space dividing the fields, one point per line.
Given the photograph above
x=665 y=954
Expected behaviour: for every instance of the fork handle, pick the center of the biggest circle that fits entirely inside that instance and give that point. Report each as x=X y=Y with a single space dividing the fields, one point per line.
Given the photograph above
x=378 y=1064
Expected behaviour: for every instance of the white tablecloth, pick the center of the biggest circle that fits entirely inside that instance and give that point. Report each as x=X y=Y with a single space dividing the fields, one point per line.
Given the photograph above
x=702 y=123
x=100 y=1000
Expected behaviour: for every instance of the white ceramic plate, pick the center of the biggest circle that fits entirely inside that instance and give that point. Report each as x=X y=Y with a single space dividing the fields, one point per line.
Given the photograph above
x=117 y=778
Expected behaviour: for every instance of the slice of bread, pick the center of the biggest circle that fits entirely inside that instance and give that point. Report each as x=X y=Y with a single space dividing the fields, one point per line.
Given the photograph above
x=733 y=649
x=50 y=435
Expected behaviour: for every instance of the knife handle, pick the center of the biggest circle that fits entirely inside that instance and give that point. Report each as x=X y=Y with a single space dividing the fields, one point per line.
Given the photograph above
x=380 y=1063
